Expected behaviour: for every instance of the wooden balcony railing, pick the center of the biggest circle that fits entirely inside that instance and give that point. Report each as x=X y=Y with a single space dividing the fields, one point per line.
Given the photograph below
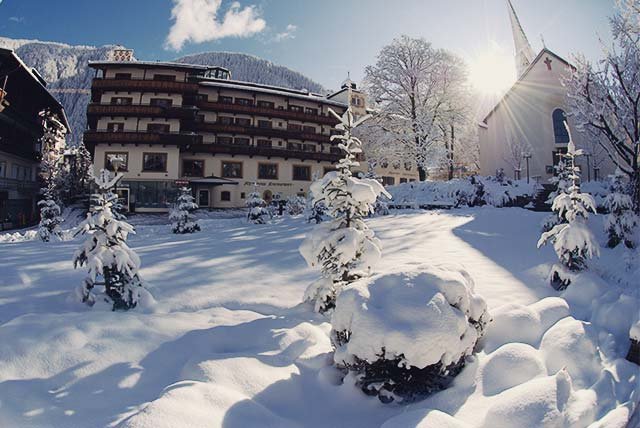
x=142 y=110
x=268 y=152
x=266 y=111
x=143 y=85
x=142 y=137
x=258 y=131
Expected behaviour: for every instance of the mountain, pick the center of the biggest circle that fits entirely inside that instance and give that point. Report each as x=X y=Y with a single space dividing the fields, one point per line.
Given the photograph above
x=250 y=68
x=65 y=69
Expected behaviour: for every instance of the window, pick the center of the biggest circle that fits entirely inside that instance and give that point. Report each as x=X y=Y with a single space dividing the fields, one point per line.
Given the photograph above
x=403 y=180
x=266 y=104
x=232 y=169
x=244 y=101
x=242 y=141
x=122 y=101
x=242 y=195
x=294 y=127
x=560 y=132
x=295 y=146
x=193 y=168
x=408 y=165
x=388 y=181
x=296 y=109
x=265 y=124
x=15 y=171
x=268 y=171
x=224 y=140
x=264 y=143
x=310 y=129
x=302 y=173
x=311 y=111
x=335 y=150
x=165 y=77
x=356 y=101
x=161 y=102
x=309 y=147
x=225 y=120
x=225 y=100
x=225 y=195
x=123 y=157
x=203 y=197
x=3 y=169
x=243 y=121
x=123 y=76
x=158 y=127
x=115 y=126
x=152 y=194
x=154 y=162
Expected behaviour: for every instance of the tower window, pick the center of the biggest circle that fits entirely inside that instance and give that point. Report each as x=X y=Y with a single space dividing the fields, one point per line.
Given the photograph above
x=559 y=131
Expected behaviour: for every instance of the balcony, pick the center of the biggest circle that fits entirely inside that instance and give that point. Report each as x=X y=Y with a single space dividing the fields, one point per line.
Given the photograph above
x=141 y=110
x=261 y=151
x=143 y=85
x=264 y=132
x=266 y=111
x=140 y=137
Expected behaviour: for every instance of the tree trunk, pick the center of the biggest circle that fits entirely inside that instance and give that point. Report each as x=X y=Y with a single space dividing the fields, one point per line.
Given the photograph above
x=422 y=173
x=635 y=190
x=451 y=159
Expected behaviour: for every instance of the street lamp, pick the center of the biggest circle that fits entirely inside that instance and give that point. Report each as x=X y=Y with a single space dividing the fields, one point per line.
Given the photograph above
x=588 y=156
x=526 y=157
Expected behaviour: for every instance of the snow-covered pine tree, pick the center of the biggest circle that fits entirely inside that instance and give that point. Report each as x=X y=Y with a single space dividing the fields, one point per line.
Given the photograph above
x=181 y=215
x=573 y=242
x=295 y=205
x=83 y=170
x=344 y=248
x=258 y=212
x=621 y=222
x=106 y=254
x=50 y=218
x=562 y=181
x=52 y=144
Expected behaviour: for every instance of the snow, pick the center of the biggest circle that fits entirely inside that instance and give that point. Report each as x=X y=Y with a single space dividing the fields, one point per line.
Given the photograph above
x=229 y=344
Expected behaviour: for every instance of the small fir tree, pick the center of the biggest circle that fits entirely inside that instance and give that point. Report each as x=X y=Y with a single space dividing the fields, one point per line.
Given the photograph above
x=258 y=213
x=295 y=205
x=572 y=241
x=181 y=215
x=50 y=218
x=344 y=248
x=106 y=254
x=621 y=222
x=562 y=181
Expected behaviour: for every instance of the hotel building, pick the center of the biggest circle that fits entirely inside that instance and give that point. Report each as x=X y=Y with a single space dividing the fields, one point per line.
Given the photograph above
x=171 y=124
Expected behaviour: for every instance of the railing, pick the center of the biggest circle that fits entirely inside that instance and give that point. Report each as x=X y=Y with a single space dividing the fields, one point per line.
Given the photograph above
x=256 y=130
x=266 y=111
x=20 y=185
x=104 y=109
x=144 y=137
x=144 y=85
x=261 y=151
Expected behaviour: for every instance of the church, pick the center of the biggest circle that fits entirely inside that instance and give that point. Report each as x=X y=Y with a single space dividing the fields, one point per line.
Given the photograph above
x=524 y=133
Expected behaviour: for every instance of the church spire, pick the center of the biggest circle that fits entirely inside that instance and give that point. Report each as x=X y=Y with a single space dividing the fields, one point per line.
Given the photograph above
x=524 y=52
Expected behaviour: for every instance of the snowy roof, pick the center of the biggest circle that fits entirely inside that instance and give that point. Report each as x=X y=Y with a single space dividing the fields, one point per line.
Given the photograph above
x=148 y=64
x=267 y=89
x=524 y=74
x=40 y=82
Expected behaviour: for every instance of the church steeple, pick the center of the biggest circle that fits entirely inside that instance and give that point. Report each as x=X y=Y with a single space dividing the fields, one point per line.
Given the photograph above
x=524 y=52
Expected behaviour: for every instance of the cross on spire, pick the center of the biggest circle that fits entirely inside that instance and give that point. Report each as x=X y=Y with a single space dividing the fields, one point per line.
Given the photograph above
x=548 y=62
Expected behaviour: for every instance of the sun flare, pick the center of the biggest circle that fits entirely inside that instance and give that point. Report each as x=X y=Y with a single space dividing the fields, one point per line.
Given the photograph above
x=492 y=72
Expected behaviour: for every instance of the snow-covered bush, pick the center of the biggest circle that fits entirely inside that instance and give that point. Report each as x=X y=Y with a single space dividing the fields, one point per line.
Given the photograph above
x=50 y=218
x=258 y=213
x=344 y=248
x=381 y=207
x=621 y=222
x=295 y=205
x=572 y=241
x=316 y=211
x=406 y=334
x=181 y=215
x=106 y=254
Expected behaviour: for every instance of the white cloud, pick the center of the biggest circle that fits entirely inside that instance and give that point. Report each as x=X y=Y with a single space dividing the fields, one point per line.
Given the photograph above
x=197 y=21
x=17 y=19
x=288 y=33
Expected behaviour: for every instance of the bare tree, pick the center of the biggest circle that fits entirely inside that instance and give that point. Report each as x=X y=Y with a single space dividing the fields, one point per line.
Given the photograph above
x=605 y=99
x=410 y=85
x=517 y=149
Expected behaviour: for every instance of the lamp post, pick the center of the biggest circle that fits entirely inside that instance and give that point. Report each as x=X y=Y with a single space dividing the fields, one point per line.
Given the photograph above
x=526 y=157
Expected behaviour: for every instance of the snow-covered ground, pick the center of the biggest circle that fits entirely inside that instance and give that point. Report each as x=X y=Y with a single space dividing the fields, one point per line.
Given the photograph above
x=229 y=344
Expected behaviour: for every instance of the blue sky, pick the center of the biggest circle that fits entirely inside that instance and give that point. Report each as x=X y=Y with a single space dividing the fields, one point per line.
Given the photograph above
x=322 y=39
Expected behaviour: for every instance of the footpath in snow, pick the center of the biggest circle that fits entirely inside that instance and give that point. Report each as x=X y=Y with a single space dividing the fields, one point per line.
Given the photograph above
x=230 y=345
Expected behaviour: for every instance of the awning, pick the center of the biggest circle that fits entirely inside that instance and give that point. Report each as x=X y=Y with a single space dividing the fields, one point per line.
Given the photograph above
x=212 y=180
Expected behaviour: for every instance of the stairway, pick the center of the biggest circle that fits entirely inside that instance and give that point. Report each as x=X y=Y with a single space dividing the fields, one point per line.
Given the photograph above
x=540 y=200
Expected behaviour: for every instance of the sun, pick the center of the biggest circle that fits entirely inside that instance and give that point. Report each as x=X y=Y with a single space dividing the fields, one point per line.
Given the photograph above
x=492 y=72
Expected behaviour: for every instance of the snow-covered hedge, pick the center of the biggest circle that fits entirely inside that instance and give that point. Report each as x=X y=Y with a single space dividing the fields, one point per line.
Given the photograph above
x=406 y=334
x=460 y=192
